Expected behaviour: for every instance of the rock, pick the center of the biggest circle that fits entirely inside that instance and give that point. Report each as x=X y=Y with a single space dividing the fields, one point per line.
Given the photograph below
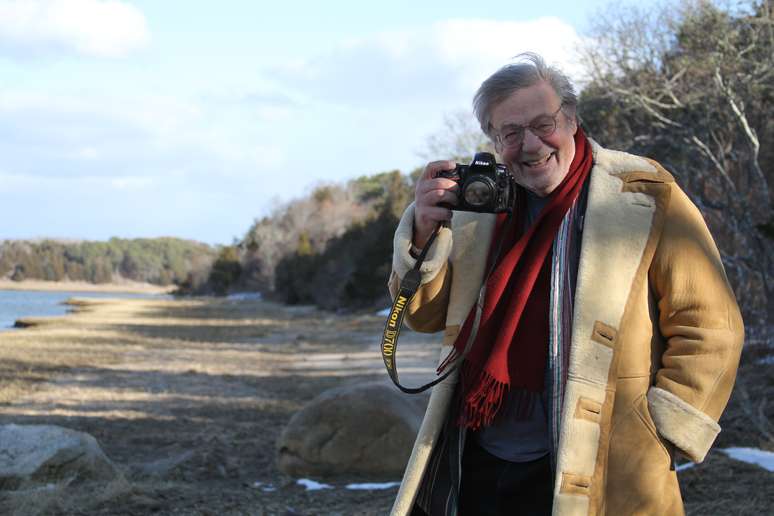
x=33 y=455
x=355 y=429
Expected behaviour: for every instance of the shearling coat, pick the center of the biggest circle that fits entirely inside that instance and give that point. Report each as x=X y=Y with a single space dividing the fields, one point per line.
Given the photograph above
x=655 y=343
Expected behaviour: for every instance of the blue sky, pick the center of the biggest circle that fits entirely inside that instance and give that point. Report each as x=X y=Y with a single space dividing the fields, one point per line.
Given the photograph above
x=191 y=118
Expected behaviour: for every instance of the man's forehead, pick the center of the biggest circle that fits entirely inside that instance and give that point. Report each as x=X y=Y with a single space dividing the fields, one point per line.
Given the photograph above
x=524 y=105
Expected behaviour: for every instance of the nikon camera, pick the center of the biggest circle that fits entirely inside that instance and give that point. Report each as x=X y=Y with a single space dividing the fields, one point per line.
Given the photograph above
x=485 y=185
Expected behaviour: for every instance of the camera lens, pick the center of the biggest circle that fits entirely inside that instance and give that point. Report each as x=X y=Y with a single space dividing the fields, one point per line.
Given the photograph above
x=478 y=193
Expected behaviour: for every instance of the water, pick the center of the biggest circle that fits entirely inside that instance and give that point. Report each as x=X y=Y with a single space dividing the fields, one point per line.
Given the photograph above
x=15 y=304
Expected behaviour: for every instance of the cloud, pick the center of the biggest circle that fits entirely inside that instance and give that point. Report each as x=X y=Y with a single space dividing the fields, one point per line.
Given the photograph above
x=377 y=98
x=100 y=28
x=10 y=183
x=74 y=135
x=203 y=164
x=441 y=63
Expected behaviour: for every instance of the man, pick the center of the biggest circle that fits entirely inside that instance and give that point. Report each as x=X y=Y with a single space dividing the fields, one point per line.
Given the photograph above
x=606 y=338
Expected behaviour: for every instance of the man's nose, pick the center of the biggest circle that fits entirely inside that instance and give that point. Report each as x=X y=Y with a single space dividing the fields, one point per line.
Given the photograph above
x=531 y=141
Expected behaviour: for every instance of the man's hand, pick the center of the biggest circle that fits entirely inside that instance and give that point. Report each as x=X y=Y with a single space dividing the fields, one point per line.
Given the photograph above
x=432 y=191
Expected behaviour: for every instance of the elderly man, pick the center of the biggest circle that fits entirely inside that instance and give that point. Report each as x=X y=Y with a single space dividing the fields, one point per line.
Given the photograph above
x=605 y=337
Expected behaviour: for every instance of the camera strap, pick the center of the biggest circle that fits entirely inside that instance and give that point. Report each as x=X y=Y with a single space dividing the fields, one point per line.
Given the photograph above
x=408 y=288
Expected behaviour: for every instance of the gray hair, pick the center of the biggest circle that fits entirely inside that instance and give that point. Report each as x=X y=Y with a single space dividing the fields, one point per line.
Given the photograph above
x=530 y=69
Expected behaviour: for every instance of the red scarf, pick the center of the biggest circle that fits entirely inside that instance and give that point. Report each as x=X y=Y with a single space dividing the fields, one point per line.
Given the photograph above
x=510 y=348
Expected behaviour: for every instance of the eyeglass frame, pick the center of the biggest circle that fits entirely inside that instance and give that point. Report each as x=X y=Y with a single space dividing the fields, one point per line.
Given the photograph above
x=502 y=145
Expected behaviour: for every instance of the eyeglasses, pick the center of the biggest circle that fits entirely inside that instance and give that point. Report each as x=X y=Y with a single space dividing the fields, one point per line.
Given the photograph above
x=511 y=135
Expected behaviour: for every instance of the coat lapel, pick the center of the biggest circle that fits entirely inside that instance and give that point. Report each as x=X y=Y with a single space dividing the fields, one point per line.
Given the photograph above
x=617 y=227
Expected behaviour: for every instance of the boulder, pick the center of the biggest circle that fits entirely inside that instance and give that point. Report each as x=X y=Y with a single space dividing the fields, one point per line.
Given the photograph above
x=365 y=429
x=33 y=455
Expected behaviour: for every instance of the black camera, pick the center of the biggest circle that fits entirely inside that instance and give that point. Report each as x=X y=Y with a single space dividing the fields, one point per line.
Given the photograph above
x=485 y=185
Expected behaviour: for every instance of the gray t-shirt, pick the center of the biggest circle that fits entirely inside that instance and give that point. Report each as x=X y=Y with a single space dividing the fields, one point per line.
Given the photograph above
x=519 y=439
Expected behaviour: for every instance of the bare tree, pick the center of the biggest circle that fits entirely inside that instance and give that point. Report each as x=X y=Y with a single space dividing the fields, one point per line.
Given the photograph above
x=459 y=139
x=693 y=87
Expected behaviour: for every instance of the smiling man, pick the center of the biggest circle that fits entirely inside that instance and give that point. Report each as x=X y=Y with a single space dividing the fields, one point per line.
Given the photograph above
x=605 y=338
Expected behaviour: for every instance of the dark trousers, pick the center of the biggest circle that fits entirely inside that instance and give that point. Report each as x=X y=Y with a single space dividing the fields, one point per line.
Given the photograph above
x=497 y=487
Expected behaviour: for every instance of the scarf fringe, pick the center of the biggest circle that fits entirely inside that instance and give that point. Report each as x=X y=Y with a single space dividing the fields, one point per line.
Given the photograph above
x=481 y=403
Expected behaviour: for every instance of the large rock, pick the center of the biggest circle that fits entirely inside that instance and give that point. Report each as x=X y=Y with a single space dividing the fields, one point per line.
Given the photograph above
x=32 y=455
x=359 y=429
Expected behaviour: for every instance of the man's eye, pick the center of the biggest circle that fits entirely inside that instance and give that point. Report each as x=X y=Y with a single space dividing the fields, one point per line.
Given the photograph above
x=543 y=125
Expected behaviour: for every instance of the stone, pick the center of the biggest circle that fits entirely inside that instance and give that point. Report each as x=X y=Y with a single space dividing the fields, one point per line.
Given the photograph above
x=34 y=455
x=364 y=429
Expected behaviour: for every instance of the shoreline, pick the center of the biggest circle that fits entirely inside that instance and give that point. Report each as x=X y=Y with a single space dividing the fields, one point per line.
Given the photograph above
x=82 y=286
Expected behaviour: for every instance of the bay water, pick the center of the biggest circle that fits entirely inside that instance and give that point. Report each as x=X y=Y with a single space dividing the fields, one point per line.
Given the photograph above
x=15 y=304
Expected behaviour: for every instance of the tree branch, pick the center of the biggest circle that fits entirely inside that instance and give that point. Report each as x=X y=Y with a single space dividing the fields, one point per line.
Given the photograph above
x=707 y=152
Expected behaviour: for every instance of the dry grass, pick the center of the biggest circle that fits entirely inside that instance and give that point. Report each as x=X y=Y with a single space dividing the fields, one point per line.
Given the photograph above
x=188 y=397
x=83 y=286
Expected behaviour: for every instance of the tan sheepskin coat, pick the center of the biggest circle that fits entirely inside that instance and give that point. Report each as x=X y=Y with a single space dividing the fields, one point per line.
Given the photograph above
x=655 y=345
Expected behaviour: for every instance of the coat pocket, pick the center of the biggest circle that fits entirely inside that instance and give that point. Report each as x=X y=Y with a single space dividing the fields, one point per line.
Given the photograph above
x=639 y=480
x=642 y=410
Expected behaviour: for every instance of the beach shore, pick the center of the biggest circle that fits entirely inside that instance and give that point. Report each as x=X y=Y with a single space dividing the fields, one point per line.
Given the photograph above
x=211 y=380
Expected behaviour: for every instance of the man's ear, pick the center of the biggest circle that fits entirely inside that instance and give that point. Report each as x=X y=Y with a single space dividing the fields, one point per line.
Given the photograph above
x=572 y=118
x=575 y=124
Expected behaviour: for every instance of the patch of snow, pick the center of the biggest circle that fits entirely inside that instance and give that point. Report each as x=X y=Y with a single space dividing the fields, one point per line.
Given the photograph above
x=372 y=486
x=764 y=459
x=687 y=465
x=245 y=296
x=311 y=485
x=385 y=312
x=266 y=488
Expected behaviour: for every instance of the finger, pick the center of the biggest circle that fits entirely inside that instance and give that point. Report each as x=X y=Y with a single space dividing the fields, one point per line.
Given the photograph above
x=436 y=197
x=436 y=184
x=433 y=215
x=432 y=168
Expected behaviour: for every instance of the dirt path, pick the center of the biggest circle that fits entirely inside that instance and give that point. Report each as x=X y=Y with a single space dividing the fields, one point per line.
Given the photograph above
x=189 y=398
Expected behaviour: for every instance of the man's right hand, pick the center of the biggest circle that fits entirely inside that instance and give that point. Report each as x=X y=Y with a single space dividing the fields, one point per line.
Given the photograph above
x=432 y=191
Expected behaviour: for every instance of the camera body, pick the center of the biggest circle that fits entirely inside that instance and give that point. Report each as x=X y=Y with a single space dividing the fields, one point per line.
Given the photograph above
x=485 y=185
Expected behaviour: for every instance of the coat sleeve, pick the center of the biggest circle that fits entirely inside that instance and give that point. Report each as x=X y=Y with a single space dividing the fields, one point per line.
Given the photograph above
x=426 y=312
x=702 y=326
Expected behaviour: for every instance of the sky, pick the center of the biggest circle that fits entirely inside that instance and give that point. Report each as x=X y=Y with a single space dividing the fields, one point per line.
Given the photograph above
x=192 y=119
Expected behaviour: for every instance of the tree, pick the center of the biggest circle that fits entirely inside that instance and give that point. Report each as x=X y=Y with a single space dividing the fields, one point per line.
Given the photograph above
x=693 y=87
x=225 y=271
x=459 y=139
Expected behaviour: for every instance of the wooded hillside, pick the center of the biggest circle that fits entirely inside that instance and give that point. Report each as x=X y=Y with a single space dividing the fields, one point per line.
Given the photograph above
x=160 y=261
x=693 y=87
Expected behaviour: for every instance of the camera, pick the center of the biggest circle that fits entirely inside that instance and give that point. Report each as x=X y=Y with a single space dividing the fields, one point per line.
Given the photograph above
x=485 y=185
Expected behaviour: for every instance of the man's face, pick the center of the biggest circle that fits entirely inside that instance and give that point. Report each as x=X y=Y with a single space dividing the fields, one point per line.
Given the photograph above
x=537 y=164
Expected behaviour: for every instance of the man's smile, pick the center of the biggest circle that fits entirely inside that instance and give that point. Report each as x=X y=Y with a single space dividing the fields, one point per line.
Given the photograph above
x=534 y=163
